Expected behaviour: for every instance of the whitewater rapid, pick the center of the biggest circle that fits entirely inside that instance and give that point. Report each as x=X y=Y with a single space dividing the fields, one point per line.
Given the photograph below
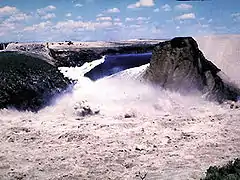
x=168 y=135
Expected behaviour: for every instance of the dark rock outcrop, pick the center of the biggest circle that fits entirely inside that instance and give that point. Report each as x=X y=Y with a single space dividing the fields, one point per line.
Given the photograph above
x=179 y=65
x=230 y=171
x=117 y=63
x=3 y=46
x=72 y=58
x=28 y=83
x=78 y=57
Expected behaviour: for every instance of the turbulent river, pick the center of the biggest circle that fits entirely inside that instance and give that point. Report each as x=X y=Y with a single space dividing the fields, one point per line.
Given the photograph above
x=140 y=130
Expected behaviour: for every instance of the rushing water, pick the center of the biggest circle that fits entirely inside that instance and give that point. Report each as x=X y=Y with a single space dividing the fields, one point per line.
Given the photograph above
x=170 y=136
x=116 y=63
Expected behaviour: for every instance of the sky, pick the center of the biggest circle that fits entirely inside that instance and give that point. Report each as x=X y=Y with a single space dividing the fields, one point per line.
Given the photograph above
x=109 y=20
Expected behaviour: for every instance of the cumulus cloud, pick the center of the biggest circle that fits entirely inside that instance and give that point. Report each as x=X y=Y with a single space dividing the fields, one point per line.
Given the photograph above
x=141 y=3
x=89 y=25
x=18 y=17
x=186 y=16
x=5 y=26
x=7 y=10
x=78 y=5
x=99 y=15
x=139 y=19
x=143 y=18
x=45 y=10
x=117 y=19
x=236 y=16
x=48 y=16
x=210 y=20
x=128 y=19
x=37 y=27
x=113 y=10
x=104 y=18
x=70 y=24
x=166 y=7
x=183 y=6
x=118 y=23
x=68 y=14
x=156 y=10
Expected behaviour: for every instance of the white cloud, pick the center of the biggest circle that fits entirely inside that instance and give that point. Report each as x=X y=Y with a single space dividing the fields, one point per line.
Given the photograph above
x=236 y=16
x=143 y=18
x=166 y=7
x=129 y=19
x=7 y=10
x=205 y=25
x=18 y=17
x=72 y=25
x=118 y=24
x=37 y=27
x=45 y=10
x=186 y=16
x=104 y=24
x=141 y=3
x=5 y=26
x=104 y=18
x=117 y=19
x=99 y=15
x=156 y=10
x=210 y=20
x=68 y=14
x=48 y=16
x=135 y=26
x=183 y=6
x=78 y=5
x=113 y=10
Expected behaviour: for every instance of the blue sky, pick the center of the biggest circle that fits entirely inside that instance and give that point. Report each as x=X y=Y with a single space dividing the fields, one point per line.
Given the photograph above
x=89 y=20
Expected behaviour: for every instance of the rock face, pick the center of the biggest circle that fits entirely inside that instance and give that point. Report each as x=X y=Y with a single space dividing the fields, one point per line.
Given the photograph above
x=28 y=83
x=3 y=46
x=178 y=64
x=77 y=53
x=78 y=57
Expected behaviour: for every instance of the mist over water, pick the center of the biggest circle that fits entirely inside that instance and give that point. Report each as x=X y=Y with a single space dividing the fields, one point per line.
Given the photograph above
x=123 y=93
x=115 y=97
x=188 y=131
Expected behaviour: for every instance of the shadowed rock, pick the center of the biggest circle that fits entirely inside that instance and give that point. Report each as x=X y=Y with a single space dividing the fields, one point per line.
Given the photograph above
x=28 y=83
x=179 y=65
x=78 y=57
x=3 y=46
x=230 y=171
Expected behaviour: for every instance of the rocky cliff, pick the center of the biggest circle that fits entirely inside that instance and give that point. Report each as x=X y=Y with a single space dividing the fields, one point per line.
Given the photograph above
x=179 y=65
x=28 y=83
x=3 y=46
x=76 y=54
x=79 y=56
